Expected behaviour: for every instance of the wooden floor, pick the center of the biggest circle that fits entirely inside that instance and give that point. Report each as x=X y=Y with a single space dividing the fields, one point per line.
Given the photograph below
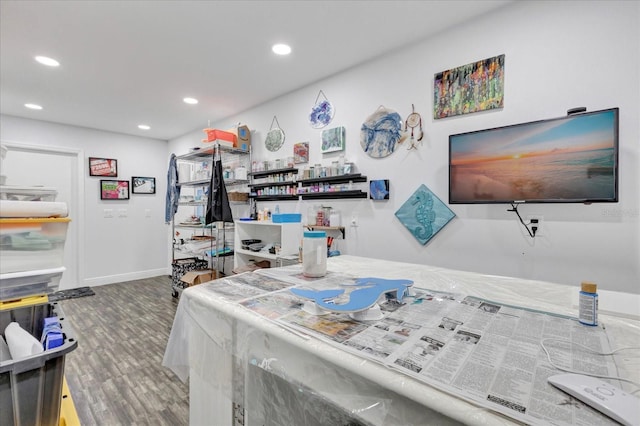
x=116 y=375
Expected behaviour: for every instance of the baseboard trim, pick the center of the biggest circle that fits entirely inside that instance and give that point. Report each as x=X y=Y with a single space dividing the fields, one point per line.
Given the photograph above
x=138 y=275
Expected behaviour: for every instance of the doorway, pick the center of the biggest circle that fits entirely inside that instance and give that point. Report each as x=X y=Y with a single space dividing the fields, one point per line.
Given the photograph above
x=60 y=169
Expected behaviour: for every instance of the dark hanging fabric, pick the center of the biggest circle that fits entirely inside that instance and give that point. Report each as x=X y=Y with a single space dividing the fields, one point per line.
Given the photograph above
x=218 y=208
x=173 y=190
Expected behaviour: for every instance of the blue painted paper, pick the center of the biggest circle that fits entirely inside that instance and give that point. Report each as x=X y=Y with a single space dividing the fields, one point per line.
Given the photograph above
x=364 y=297
x=424 y=214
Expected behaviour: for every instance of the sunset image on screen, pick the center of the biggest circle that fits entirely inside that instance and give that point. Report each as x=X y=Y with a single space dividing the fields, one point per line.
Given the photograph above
x=572 y=158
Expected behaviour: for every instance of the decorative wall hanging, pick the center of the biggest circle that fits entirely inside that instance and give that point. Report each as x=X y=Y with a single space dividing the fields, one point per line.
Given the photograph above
x=143 y=185
x=413 y=122
x=424 y=215
x=114 y=189
x=474 y=87
x=106 y=167
x=275 y=136
x=301 y=152
x=379 y=189
x=321 y=113
x=381 y=132
x=333 y=139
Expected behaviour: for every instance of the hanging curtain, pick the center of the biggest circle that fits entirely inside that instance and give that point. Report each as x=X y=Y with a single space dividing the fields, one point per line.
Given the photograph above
x=218 y=208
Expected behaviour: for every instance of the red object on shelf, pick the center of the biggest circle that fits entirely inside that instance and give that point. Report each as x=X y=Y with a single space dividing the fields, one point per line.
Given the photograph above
x=214 y=135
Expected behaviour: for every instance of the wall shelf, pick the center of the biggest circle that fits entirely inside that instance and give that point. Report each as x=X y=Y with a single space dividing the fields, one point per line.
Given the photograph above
x=266 y=173
x=333 y=195
x=327 y=228
x=268 y=184
x=283 y=197
x=353 y=177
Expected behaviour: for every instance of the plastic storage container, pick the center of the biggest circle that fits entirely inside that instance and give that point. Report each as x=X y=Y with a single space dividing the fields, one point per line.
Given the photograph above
x=286 y=218
x=32 y=244
x=18 y=285
x=314 y=254
x=27 y=193
x=31 y=387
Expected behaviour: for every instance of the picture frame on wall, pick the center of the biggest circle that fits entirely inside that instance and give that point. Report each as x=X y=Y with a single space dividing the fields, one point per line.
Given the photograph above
x=333 y=139
x=451 y=93
x=143 y=185
x=106 y=167
x=301 y=152
x=114 y=189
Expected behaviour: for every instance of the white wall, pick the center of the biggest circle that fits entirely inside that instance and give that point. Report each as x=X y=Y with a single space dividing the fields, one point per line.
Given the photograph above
x=118 y=248
x=559 y=55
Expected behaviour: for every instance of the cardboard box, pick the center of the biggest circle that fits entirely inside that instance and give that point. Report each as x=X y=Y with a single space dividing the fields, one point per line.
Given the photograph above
x=243 y=137
x=200 y=276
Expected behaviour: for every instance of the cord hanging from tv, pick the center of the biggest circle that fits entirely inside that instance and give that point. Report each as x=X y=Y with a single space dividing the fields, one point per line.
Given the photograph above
x=571 y=159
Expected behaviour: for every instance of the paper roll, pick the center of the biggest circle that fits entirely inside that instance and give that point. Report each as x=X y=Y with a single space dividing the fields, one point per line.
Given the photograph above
x=21 y=343
x=16 y=208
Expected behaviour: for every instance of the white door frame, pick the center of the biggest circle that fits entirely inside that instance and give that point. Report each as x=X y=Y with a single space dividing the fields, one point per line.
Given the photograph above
x=77 y=193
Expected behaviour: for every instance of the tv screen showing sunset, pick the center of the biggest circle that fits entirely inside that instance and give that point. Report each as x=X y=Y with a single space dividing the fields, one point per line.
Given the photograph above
x=569 y=159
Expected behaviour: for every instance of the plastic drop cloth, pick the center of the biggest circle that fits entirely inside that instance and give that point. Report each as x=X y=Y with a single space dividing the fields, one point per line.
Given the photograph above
x=243 y=367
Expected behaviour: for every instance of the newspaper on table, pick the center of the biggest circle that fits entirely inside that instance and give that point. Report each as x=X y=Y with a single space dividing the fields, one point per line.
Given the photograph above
x=488 y=353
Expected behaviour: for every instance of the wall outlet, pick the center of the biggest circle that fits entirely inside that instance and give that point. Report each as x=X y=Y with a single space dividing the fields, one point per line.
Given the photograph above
x=122 y=213
x=354 y=222
x=537 y=222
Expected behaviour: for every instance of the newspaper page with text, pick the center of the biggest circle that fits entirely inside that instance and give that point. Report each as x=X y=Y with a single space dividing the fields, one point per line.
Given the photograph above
x=485 y=352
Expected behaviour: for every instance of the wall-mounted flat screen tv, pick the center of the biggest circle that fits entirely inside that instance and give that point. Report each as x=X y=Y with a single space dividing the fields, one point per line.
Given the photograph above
x=571 y=159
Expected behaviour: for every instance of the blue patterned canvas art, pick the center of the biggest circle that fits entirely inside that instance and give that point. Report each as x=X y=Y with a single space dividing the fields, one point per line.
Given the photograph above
x=379 y=189
x=424 y=214
x=381 y=132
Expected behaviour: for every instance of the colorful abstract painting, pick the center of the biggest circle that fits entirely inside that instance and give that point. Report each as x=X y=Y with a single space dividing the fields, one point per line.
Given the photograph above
x=478 y=86
x=424 y=214
x=333 y=139
x=301 y=152
x=379 y=189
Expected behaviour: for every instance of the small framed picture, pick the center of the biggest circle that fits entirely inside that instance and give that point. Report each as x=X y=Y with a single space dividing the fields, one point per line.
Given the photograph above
x=107 y=167
x=143 y=185
x=379 y=189
x=301 y=152
x=114 y=189
x=333 y=140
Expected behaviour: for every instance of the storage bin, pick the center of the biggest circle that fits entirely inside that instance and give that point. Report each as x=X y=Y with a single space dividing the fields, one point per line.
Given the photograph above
x=18 y=285
x=32 y=244
x=31 y=387
x=27 y=193
x=286 y=217
x=180 y=267
x=238 y=196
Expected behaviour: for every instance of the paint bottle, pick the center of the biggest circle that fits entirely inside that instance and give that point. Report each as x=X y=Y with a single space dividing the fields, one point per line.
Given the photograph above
x=588 y=304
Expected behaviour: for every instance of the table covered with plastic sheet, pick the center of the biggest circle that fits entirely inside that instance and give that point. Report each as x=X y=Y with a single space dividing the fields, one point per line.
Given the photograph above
x=464 y=349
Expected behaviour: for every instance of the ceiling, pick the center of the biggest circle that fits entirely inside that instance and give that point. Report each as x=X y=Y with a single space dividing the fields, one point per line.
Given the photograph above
x=125 y=63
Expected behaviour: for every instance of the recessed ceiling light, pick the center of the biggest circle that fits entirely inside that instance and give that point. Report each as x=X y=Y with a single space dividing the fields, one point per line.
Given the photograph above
x=191 y=101
x=143 y=127
x=33 y=106
x=281 y=49
x=50 y=62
